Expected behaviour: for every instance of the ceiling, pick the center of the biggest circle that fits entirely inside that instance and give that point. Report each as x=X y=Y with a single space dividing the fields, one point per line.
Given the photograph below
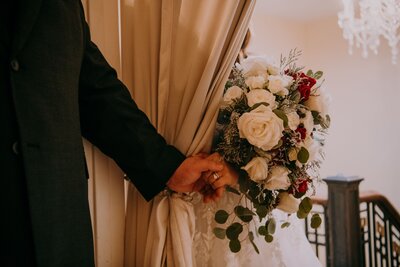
x=301 y=10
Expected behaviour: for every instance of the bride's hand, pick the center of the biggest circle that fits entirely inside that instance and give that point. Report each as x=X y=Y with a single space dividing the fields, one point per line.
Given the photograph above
x=212 y=184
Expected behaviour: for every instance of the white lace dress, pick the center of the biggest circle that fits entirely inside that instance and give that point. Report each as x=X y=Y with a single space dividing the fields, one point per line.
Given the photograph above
x=289 y=248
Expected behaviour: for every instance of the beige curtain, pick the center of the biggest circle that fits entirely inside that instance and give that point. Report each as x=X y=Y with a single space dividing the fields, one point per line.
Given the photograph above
x=176 y=57
x=106 y=186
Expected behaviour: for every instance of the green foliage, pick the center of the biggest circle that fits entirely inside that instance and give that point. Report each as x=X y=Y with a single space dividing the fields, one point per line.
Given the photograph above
x=234 y=246
x=304 y=208
x=315 y=221
x=251 y=238
x=282 y=116
x=271 y=226
x=259 y=104
x=269 y=238
x=233 y=231
x=285 y=225
x=303 y=155
x=221 y=216
x=262 y=230
x=219 y=232
x=244 y=214
x=232 y=190
x=262 y=211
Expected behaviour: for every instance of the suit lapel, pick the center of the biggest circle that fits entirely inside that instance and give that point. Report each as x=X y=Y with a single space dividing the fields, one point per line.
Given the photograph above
x=28 y=11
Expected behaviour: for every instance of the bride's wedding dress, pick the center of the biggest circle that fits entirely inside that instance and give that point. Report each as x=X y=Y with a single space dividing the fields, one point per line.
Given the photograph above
x=289 y=248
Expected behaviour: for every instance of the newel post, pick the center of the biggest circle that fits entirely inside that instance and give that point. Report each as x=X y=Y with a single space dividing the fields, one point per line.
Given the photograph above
x=343 y=214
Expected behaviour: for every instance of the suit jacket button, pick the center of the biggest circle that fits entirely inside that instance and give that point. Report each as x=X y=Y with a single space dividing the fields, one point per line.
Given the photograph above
x=15 y=148
x=14 y=65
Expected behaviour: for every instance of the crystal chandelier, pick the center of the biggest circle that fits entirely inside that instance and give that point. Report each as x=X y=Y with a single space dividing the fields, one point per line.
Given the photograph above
x=377 y=18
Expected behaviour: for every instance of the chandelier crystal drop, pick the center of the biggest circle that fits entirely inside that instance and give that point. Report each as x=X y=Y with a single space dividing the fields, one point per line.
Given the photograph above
x=377 y=18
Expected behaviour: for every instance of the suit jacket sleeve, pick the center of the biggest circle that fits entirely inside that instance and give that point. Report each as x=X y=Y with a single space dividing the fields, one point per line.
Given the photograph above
x=111 y=120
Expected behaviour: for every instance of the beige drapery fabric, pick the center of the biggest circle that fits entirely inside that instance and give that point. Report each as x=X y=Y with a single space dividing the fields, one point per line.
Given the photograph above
x=176 y=57
x=106 y=186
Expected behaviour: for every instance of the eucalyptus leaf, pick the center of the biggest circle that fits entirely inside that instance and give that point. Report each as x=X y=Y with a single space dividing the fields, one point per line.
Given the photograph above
x=303 y=155
x=269 y=238
x=262 y=230
x=301 y=215
x=262 y=211
x=243 y=211
x=221 y=216
x=232 y=190
x=219 y=232
x=282 y=116
x=305 y=205
x=259 y=104
x=251 y=238
x=280 y=143
x=318 y=75
x=234 y=246
x=316 y=117
x=315 y=221
x=233 y=231
x=296 y=96
x=271 y=226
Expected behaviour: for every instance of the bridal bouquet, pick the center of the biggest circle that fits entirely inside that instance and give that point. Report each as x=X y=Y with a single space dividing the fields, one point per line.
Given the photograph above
x=273 y=121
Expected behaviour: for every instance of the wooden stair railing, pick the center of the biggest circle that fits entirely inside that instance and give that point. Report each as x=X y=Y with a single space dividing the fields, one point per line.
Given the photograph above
x=358 y=229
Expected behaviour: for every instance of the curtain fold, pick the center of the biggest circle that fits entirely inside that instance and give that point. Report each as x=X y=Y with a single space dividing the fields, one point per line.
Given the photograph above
x=176 y=57
x=106 y=186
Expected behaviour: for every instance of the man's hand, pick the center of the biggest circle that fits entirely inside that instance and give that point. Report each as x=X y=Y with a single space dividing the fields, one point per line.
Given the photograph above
x=191 y=170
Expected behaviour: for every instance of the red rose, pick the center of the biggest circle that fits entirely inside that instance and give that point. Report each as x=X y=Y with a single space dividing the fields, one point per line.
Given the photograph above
x=300 y=189
x=303 y=187
x=305 y=83
x=302 y=131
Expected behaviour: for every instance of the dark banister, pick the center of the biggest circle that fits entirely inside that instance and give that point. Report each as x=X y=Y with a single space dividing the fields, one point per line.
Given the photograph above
x=384 y=204
x=343 y=215
x=360 y=229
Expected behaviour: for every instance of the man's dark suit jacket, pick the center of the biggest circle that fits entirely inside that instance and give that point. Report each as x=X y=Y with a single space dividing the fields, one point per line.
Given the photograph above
x=55 y=88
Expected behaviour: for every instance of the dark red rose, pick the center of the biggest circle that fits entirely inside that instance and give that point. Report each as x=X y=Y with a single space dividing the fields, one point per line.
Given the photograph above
x=302 y=131
x=305 y=83
x=299 y=189
x=303 y=187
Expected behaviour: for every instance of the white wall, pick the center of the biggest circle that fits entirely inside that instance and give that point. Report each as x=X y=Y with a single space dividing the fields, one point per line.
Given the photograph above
x=364 y=138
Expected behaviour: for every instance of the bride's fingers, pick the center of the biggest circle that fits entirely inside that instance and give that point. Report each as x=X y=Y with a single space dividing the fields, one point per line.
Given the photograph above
x=218 y=193
x=202 y=155
x=210 y=194
x=199 y=185
x=215 y=157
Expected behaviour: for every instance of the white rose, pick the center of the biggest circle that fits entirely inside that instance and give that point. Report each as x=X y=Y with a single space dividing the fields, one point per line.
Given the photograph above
x=308 y=122
x=278 y=178
x=256 y=82
x=259 y=65
x=293 y=120
x=260 y=95
x=278 y=84
x=313 y=148
x=319 y=101
x=257 y=169
x=232 y=93
x=261 y=127
x=288 y=203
